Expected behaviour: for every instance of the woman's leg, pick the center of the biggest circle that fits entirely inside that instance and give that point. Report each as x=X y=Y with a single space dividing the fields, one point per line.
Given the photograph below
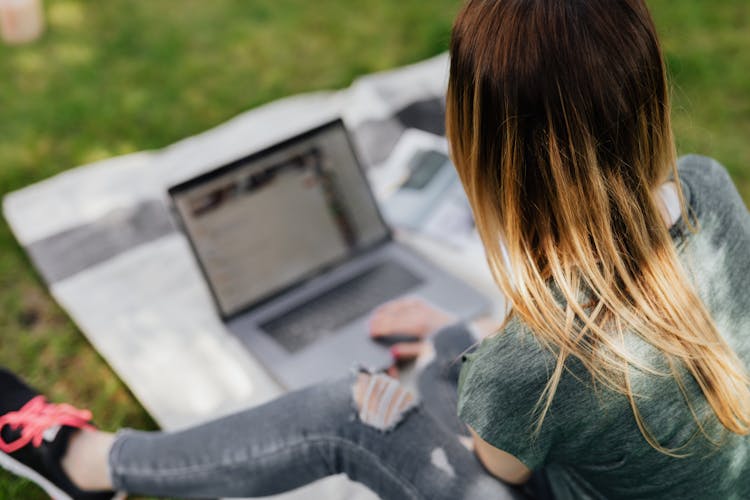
x=437 y=378
x=365 y=426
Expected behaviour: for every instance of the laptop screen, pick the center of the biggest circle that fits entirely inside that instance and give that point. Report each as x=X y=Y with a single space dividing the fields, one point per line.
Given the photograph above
x=262 y=224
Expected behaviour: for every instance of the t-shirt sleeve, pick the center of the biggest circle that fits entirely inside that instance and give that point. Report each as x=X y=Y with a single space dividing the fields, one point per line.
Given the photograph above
x=499 y=388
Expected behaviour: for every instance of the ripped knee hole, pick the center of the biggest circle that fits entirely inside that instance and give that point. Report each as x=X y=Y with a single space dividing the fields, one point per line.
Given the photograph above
x=381 y=400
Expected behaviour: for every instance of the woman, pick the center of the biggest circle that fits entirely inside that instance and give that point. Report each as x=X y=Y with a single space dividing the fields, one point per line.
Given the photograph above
x=621 y=369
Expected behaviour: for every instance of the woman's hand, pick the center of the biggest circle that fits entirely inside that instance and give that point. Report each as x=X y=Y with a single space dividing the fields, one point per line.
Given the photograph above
x=411 y=317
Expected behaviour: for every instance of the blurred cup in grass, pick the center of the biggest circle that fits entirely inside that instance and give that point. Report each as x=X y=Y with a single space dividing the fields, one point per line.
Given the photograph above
x=21 y=21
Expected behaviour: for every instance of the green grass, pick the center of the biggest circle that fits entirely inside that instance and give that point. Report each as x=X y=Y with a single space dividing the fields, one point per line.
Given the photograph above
x=707 y=45
x=116 y=76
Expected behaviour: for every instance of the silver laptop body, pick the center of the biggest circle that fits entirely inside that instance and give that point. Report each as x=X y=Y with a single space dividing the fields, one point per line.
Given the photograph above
x=296 y=255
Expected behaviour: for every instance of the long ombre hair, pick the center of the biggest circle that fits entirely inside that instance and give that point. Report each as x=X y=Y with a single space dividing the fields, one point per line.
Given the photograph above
x=558 y=121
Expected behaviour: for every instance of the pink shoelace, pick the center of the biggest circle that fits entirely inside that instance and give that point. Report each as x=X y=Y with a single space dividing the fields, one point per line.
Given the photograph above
x=35 y=417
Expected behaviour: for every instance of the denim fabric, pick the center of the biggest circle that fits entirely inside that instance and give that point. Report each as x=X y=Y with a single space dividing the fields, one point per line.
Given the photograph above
x=316 y=432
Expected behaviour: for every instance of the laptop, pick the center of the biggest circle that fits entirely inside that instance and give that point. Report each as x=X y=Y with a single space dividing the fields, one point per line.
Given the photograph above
x=296 y=255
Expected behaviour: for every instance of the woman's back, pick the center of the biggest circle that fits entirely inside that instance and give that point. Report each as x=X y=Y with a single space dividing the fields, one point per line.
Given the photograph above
x=590 y=444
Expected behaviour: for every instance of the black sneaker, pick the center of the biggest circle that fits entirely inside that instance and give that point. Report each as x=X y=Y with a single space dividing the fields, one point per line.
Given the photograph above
x=34 y=435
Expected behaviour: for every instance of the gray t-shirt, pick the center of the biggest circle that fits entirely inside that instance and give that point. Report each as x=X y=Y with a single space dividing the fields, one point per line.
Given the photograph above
x=589 y=444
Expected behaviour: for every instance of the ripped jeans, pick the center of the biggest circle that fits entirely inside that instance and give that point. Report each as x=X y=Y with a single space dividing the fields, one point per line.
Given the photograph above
x=365 y=426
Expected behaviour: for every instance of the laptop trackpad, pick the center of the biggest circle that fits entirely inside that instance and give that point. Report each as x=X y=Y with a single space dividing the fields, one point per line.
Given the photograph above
x=347 y=301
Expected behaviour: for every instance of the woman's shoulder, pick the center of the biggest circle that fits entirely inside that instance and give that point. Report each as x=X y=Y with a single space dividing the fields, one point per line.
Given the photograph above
x=709 y=169
x=505 y=375
x=515 y=350
x=501 y=394
x=708 y=186
x=512 y=369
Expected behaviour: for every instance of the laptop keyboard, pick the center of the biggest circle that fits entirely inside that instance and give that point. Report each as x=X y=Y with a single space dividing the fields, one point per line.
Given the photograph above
x=340 y=305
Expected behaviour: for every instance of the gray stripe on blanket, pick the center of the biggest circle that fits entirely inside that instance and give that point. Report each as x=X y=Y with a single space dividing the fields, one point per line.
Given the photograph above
x=69 y=252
